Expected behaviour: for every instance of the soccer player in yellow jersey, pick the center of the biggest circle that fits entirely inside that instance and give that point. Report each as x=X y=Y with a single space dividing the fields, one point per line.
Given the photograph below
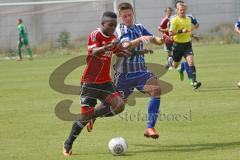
x=181 y=30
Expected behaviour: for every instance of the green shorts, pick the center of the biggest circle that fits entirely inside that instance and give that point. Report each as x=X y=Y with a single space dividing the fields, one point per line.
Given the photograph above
x=24 y=42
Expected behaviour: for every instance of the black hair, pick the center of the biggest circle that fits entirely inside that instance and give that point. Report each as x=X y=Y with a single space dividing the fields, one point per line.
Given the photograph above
x=168 y=8
x=109 y=14
x=178 y=2
x=20 y=20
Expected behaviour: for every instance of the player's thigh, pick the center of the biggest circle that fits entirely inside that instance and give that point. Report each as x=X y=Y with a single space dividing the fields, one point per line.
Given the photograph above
x=188 y=54
x=124 y=85
x=89 y=95
x=190 y=60
x=177 y=52
x=25 y=42
x=20 y=44
x=175 y=64
x=110 y=95
x=152 y=87
x=148 y=83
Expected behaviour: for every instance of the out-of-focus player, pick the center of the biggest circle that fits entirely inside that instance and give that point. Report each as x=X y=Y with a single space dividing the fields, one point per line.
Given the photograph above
x=237 y=26
x=23 y=40
x=237 y=29
x=163 y=27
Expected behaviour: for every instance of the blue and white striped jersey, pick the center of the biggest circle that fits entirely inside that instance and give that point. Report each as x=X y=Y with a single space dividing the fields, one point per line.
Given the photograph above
x=237 y=25
x=136 y=62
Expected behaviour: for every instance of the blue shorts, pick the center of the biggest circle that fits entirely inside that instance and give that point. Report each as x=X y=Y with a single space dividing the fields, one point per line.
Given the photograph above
x=126 y=83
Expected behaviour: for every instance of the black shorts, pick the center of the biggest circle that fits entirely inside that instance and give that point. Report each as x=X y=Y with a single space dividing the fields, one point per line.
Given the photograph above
x=168 y=47
x=181 y=50
x=91 y=92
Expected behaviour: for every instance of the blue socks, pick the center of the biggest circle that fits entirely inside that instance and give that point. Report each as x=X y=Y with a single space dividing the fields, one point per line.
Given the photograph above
x=153 y=111
x=182 y=67
x=185 y=66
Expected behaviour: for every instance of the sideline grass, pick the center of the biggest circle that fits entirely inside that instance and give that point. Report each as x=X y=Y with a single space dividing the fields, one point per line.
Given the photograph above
x=30 y=130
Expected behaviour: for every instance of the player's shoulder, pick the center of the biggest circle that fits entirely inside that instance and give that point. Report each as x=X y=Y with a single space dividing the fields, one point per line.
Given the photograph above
x=139 y=26
x=172 y=17
x=238 y=20
x=166 y=18
x=193 y=19
x=94 y=34
x=20 y=25
x=237 y=24
x=121 y=29
x=190 y=15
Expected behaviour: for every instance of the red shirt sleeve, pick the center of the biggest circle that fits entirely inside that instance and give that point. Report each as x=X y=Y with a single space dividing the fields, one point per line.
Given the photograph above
x=93 y=41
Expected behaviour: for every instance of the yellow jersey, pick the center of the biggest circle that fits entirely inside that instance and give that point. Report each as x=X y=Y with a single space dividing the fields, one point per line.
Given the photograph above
x=181 y=23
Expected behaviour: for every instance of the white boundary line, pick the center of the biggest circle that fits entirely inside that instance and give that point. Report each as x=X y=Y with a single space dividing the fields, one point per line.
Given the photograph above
x=45 y=2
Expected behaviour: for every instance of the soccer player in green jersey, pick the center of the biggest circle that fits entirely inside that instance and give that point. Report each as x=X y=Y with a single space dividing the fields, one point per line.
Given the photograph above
x=23 y=39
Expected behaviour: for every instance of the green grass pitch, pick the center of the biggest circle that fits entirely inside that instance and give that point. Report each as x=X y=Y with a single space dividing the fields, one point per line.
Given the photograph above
x=210 y=130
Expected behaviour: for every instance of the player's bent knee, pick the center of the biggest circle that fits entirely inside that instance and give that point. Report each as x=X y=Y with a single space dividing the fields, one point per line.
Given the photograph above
x=190 y=62
x=175 y=65
x=116 y=102
x=119 y=107
x=156 y=92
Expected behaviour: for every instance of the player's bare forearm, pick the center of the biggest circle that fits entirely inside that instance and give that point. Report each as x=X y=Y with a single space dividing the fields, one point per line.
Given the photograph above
x=157 y=40
x=162 y=30
x=134 y=43
x=173 y=33
x=101 y=50
x=146 y=51
x=194 y=27
x=98 y=51
x=144 y=39
x=196 y=37
x=180 y=31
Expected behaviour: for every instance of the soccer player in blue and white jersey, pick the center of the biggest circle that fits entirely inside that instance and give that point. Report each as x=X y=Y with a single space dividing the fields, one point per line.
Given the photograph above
x=237 y=26
x=132 y=72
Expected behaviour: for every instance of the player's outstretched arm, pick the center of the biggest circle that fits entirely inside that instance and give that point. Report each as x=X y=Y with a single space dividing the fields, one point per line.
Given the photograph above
x=143 y=39
x=157 y=40
x=195 y=27
x=101 y=50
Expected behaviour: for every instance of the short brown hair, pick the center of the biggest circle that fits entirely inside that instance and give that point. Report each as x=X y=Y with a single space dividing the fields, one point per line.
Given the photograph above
x=124 y=6
x=168 y=8
x=20 y=20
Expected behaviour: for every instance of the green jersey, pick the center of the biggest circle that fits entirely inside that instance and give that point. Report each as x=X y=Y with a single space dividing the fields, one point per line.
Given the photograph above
x=22 y=31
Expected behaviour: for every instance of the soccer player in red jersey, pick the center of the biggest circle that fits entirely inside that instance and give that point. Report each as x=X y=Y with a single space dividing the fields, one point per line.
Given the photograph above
x=96 y=82
x=163 y=27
